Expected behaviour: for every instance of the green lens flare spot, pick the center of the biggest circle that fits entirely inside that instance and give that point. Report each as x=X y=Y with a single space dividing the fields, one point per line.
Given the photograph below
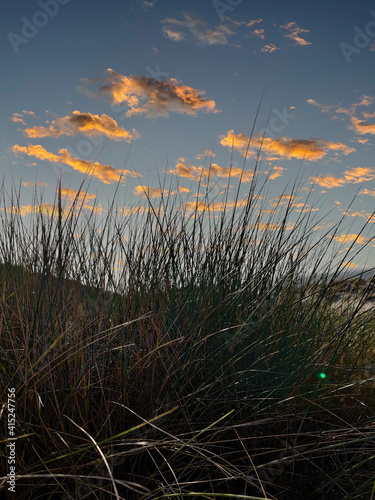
x=321 y=375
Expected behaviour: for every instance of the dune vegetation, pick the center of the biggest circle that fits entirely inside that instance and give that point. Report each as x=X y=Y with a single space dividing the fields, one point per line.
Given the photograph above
x=184 y=351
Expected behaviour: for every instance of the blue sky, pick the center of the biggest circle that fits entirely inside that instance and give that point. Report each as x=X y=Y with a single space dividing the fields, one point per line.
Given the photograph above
x=147 y=88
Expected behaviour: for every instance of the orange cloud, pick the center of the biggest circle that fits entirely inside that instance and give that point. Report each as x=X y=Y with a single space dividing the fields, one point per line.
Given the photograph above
x=285 y=199
x=44 y=208
x=294 y=31
x=347 y=238
x=254 y=21
x=367 y=115
x=134 y=210
x=359 y=174
x=368 y=191
x=271 y=47
x=161 y=97
x=85 y=123
x=364 y=215
x=354 y=176
x=366 y=100
x=197 y=173
x=350 y=265
x=323 y=107
x=206 y=154
x=105 y=173
x=277 y=172
x=201 y=206
x=361 y=127
x=17 y=118
x=74 y=195
x=328 y=181
x=150 y=192
x=259 y=32
x=273 y=226
x=284 y=147
x=36 y=150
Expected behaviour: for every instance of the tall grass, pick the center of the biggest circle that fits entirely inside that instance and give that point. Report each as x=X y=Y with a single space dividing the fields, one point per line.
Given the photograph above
x=177 y=351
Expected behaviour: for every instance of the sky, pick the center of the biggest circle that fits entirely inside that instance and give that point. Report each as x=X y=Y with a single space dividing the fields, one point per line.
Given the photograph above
x=145 y=92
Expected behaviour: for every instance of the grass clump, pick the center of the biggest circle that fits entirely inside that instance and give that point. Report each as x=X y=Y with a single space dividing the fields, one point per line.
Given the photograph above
x=178 y=352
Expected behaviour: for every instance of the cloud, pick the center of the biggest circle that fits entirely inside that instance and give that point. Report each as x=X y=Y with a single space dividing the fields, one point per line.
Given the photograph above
x=269 y=48
x=196 y=173
x=201 y=206
x=150 y=192
x=273 y=226
x=147 y=4
x=74 y=195
x=328 y=181
x=198 y=28
x=284 y=147
x=105 y=173
x=85 y=123
x=37 y=151
x=44 y=208
x=17 y=118
x=293 y=33
x=160 y=96
x=363 y=214
x=173 y=34
x=361 y=127
x=323 y=107
x=362 y=141
x=206 y=154
x=350 y=265
x=258 y=32
x=285 y=199
x=354 y=176
x=254 y=21
x=277 y=172
x=30 y=184
x=133 y=210
x=346 y=111
x=347 y=238
x=80 y=199
x=368 y=191
x=366 y=100
x=359 y=175
x=367 y=115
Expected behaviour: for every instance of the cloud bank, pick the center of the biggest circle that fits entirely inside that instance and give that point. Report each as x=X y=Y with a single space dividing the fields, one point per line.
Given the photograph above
x=284 y=147
x=160 y=97
x=85 y=123
x=105 y=173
